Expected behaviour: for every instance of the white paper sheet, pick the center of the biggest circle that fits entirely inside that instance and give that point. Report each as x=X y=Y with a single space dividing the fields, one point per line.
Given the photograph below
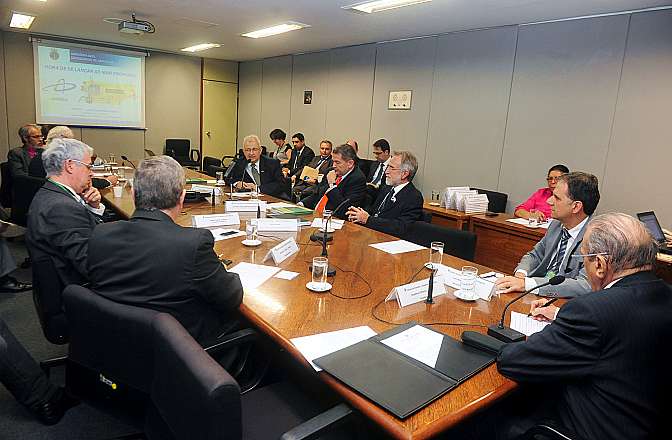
x=286 y=275
x=525 y=324
x=418 y=342
x=223 y=233
x=397 y=246
x=322 y=344
x=526 y=223
x=333 y=223
x=253 y=275
x=206 y=189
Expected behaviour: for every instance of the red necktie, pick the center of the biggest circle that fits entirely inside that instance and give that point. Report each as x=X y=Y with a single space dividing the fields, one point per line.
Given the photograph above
x=323 y=201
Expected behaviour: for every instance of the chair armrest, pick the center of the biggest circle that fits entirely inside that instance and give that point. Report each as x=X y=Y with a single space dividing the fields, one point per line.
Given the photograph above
x=318 y=425
x=550 y=432
x=231 y=340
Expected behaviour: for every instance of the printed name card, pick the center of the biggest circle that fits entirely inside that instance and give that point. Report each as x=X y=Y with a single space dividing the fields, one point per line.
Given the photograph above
x=415 y=292
x=245 y=205
x=211 y=220
x=282 y=251
x=276 y=224
x=453 y=278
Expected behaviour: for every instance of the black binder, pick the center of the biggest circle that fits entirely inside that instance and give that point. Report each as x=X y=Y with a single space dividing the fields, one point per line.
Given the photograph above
x=399 y=383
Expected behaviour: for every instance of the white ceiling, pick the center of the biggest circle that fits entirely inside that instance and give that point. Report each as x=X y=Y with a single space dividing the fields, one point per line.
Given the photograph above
x=181 y=23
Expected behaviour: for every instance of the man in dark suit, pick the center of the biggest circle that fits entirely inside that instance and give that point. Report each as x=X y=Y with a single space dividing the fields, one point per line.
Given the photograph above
x=399 y=204
x=149 y=261
x=381 y=149
x=19 y=158
x=574 y=200
x=65 y=210
x=609 y=350
x=322 y=163
x=345 y=182
x=302 y=155
x=258 y=171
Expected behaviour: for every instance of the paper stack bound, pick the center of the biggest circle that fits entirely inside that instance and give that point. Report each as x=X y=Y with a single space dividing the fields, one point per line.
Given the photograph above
x=459 y=198
x=475 y=204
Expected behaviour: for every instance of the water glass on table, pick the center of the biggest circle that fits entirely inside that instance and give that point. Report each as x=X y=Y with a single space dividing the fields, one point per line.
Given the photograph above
x=251 y=230
x=468 y=280
x=532 y=219
x=435 y=255
x=320 y=268
x=326 y=219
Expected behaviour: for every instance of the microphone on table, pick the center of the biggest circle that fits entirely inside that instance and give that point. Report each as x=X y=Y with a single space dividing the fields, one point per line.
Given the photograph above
x=508 y=334
x=125 y=159
x=331 y=271
x=229 y=170
x=430 y=291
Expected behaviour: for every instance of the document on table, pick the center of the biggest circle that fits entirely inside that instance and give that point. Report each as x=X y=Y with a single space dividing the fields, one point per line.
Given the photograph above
x=526 y=223
x=253 y=275
x=226 y=233
x=333 y=223
x=397 y=246
x=525 y=324
x=286 y=275
x=322 y=344
x=418 y=342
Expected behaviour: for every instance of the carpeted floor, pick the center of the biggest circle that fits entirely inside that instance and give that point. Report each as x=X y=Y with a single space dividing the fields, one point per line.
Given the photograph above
x=81 y=422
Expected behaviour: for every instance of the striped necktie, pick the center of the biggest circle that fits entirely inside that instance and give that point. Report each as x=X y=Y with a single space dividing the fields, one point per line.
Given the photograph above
x=555 y=267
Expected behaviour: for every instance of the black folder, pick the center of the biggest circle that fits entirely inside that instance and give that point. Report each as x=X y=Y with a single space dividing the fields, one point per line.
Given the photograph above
x=400 y=384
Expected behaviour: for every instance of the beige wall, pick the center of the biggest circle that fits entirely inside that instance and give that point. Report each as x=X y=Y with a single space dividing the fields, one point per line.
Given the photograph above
x=172 y=98
x=495 y=108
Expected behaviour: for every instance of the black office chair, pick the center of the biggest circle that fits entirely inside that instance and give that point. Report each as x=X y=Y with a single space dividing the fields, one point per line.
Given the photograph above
x=365 y=165
x=48 y=301
x=547 y=431
x=5 y=185
x=426 y=216
x=194 y=397
x=211 y=165
x=180 y=150
x=24 y=189
x=461 y=244
x=496 y=200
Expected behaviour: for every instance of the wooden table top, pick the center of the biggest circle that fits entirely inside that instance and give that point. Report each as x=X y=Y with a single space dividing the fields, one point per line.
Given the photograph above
x=287 y=309
x=450 y=213
x=500 y=222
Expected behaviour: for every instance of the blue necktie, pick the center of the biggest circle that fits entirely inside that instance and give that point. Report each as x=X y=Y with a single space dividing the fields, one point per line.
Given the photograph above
x=555 y=267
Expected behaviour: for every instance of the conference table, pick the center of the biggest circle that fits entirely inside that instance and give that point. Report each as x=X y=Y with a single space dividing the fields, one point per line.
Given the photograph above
x=285 y=309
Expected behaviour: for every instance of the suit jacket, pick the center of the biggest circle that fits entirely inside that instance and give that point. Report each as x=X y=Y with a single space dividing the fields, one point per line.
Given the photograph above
x=398 y=213
x=19 y=160
x=372 y=172
x=273 y=182
x=59 y=228
x=610 y=352
x=298 y=161
x=353 y=187
x=149 y=261
x=536 y=262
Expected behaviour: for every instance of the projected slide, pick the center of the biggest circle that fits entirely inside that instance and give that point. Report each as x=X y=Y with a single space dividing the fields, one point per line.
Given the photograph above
x=77 y=85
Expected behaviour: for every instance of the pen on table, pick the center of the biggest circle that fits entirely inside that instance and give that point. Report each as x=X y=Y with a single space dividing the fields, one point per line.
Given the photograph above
x=548 y=303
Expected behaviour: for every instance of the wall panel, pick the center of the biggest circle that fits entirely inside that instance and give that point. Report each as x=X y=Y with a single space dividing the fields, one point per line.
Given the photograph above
x=310 y=72
x=276 y=93
x=249 y=101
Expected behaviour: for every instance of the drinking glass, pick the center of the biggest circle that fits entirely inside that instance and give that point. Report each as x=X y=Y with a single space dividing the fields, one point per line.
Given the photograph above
x=326 y=219
x=220 y=176
x=435 y=254
x=468 y=279
x=112 y=158
x=251 y=230
x=320 y=268
x=532 y=220
x=121 y=173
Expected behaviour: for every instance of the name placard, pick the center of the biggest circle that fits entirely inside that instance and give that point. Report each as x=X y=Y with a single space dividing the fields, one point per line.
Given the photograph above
x=282 y=251
x=276 y=224
x=415 y=292
x=453 y=278
x=245 y=205
x=211 y=220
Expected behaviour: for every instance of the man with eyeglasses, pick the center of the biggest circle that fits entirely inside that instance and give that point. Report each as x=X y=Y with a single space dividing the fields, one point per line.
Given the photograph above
x=399 y=204
x=258 y=172
x=381 y=149
x=65 y=210
x=574 y=200
x=19 y=158
x=601 y=366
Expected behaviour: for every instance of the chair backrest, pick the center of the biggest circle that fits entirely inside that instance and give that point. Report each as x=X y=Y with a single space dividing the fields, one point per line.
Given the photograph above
x=178 y=148
x=48 y=300
x=113 y=339
x=211 y=165
x=192 y=395
x=5 y=185
x=365 y=165
x=496 y=200
x=461 y=244
x=24 y=189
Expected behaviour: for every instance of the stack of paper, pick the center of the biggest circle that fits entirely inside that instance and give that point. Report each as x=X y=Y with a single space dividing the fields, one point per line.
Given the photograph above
x=525 y=324
x=447 y=195
x=475 y=203
x=322 y=344
x=459 y=197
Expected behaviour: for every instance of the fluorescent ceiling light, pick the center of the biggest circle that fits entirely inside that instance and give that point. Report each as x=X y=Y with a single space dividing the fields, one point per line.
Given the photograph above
x=21 y=21
x=383 y=5
x=199 y=47
x=275 y=30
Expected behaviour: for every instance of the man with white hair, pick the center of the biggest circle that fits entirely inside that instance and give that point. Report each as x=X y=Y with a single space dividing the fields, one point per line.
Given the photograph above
x=65 y=210
x=257 y=171
x=19 y=158
x=608 y=350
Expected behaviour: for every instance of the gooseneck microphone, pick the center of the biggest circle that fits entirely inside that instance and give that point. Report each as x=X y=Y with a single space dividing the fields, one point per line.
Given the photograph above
x=125 y=159
x=430 y=290
x=507 y=334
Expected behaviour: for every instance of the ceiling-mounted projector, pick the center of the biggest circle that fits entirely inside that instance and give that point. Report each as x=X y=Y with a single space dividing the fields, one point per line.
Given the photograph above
x=134 y=27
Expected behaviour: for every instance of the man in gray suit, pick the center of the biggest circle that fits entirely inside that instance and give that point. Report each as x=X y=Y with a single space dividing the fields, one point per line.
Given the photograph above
x=574 y=200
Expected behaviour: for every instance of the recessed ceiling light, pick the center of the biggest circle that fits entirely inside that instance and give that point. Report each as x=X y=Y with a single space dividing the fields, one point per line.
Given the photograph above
x=383 y=5
x=275 y=30
x=200 y=47
x=21 y=21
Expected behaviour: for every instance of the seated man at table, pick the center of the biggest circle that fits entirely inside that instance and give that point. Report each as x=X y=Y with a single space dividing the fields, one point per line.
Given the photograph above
x=302 y=155
x=19 y=158
x=574 y=200
x=399 y=204
x=150 y=261
x=322 y=163
x=343 y=186
x=65 y=210
x=606 y=351
x=257 y=171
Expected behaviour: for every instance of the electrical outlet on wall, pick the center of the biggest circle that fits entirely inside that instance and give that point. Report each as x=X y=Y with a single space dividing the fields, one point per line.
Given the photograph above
x=399 y=100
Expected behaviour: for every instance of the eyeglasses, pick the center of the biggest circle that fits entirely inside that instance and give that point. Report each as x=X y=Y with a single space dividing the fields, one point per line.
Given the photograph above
x=588 y=255
x=88 y=165
x=249 y=150
x=35 y=136
x=378 y=153
x=553 y=179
